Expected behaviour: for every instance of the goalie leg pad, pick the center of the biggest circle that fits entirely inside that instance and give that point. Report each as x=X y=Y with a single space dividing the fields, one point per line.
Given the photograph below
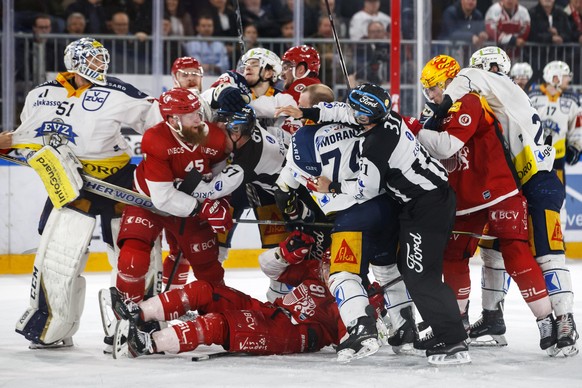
x=58 y=291
x=58 y=169
x=495 y=280
x=558 y=282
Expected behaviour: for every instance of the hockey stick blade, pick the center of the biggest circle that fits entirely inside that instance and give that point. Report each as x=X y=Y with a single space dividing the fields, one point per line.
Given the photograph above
x=211 y=356
x=104 y=189
x=475 y=235
x=284 y=223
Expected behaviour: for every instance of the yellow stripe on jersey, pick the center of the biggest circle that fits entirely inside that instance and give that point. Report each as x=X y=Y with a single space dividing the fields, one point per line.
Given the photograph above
x=271 y=235
x=103 y=168
x=346 y=252
x=560 y=147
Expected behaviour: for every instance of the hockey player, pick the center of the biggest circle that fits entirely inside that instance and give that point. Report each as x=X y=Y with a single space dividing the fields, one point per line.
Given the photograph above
x=332 y=150
x=305 y=320
x=521 y=73
x=523 y=134
x=300 y=69
x=79 y=114
x=187 y=73
x=393 y=160
x=482 y=174
x=560 y=114
x=178 y=153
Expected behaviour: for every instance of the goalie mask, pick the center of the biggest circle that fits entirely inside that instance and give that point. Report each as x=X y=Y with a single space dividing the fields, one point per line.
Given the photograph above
x=182 y=70
x=303 y=54
x=88 y=58
x=489 y=56
x=436 y=73
x=267 y=60
x=371 y=103
x=559 y=70
x=176 y=103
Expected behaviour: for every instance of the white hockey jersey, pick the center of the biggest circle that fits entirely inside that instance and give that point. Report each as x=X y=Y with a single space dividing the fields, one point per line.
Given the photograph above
x=330 y=150
x=88 y=120
x=520 y=122
x=561 y=118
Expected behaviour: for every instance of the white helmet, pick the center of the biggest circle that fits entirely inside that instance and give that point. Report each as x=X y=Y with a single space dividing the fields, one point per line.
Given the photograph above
x=88 y=58
x=521 y=70
x=265 y=57
x=487 y=56
x=556 y=69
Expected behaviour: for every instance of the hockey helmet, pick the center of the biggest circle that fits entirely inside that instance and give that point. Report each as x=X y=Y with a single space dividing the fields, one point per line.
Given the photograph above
x=491 y=55
x=187 y=63
x=556 y=69
x=371 y=103
x=521 y=70
x=438 y=70
x=88 y=58
x=303 y=54
x=265 y=58
x=178 y=101
x=241 y=122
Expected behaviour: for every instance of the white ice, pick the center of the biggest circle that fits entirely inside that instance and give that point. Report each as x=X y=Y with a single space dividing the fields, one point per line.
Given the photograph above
x=520 y=364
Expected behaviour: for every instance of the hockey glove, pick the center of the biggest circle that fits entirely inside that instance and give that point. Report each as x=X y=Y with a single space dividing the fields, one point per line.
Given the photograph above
x=230 y=99
x=376 y=298
x=231 y=92
x=288 y=203
x=190 y=182
x=217 y=213
x=572 y=155
x=296 y=247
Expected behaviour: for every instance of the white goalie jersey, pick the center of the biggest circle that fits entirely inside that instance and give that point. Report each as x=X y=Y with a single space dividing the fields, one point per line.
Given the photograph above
x=88 y=120
x=520 y=122
x=561 y=117
x=330 y=150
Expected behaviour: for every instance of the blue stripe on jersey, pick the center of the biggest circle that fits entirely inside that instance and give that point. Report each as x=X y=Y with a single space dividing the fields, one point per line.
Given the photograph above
x=304 y=150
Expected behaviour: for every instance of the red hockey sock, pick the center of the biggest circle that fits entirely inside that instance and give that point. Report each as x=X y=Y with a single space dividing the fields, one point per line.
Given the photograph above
x=208 y=329
x=181 y=276
x=132 y=266
x=522 y=267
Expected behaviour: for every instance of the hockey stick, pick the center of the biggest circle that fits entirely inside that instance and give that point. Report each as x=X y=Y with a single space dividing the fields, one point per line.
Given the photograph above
x=105 y=189
x=212 y=356
x=330 y=225
x=241 y=39
x=337 y=44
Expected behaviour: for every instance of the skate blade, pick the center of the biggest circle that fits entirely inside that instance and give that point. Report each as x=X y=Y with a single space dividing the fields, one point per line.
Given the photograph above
x=407 y=350
x=120 y=344
x=489 y=340
x=458 y=358
x=65 y=343
x=369 y=347
x=108 y=318
x=570 y=350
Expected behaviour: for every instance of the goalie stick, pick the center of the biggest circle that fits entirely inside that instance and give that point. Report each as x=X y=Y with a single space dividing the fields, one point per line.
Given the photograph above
x=104 y=189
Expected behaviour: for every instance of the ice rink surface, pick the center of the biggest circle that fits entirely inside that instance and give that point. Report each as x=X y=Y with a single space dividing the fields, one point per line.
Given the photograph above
x=520 y=364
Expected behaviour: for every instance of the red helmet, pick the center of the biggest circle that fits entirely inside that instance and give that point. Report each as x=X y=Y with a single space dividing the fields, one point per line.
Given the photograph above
x=187 y=63
x=178 y=101
x=306 y=54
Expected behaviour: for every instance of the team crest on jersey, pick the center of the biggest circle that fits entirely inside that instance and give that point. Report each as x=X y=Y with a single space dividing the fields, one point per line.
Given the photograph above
x=565 y=105
x=299 y=88
x=464 y=119
x=94 y=99
x=56 y=132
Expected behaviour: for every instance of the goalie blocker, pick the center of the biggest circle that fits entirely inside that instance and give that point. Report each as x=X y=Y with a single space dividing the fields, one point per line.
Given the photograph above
x=57 y=294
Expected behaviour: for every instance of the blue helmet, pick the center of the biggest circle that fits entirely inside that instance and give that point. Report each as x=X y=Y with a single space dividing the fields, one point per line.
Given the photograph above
x=241 y=122
x=371 y=103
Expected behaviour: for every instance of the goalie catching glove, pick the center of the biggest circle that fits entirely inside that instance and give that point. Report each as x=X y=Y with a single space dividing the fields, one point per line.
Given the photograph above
x=296 y=247
x=217 y=213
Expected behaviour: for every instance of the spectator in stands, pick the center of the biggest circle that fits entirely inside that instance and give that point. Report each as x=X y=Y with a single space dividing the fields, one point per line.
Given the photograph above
x=574 y=12
x=213 y=55
x=326 y=50
x=372 y=60
x=127 y=56
x=551 y=24
x=508 y=24
x=463 y=22
x=370 y=12
x=172 y=48
x=262 y=15
x=76 y=24
x=223 y=16
x=180 y=20
x=43 y=25
x=287 y=31
x=140 y=13
x=250 y=36
x=94 y=12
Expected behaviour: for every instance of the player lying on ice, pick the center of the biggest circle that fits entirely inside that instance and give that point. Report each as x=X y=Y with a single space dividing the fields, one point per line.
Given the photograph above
x=305 y=320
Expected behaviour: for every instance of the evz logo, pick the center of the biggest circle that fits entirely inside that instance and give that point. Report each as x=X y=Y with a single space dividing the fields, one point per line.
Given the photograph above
x=56 y=132
x=94 y=99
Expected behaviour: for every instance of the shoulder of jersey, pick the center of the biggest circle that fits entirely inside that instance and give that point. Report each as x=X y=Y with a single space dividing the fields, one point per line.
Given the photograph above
x=571 y=96
x=49 y=83
x=535 y=92
x=114 y=83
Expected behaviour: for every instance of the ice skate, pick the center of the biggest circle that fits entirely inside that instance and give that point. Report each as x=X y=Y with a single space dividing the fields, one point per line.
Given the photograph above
x=489 y=330
x=453 y=354
x=548 y=334
x=64 y=343
x=402 y=340
x=362 y=341
x=567 y=335
x=140 y=343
